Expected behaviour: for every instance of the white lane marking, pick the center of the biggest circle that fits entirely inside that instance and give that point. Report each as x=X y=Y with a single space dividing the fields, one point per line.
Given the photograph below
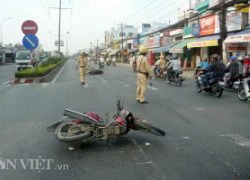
x=142 y=163
x=238 y=139
x=57 y=76
x=45 y=84
x=71 y=148
x=6 y=82
x=185 y=137
x=124 y=84
x=199 y=108
x=102 y=79
x=153 y=88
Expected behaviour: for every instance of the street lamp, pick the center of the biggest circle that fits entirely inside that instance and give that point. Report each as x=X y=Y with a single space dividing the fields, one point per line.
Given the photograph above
x=3 y=20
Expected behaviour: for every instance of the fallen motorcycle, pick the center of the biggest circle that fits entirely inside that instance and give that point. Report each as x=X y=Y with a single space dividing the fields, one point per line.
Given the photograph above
x=85 y=127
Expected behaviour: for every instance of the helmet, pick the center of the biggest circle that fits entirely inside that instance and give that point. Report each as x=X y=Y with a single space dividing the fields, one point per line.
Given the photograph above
x=233 y=58
x=143 y=49
x=240 y=58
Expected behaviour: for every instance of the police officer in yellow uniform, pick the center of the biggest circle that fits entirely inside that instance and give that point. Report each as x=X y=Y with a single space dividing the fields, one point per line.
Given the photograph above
x=163 y=63
x=83 y=63
x=144 y=71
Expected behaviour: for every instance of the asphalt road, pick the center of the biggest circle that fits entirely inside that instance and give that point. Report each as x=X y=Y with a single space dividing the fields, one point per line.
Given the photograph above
x=206 y=137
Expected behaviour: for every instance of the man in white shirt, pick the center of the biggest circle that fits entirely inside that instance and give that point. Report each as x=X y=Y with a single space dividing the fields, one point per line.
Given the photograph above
x=175 y=64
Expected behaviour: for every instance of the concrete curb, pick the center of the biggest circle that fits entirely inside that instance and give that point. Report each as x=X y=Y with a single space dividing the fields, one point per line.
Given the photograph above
x=46 y=78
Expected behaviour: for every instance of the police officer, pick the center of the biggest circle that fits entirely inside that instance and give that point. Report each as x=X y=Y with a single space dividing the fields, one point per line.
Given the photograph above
x=83 y=63
x=144 y=71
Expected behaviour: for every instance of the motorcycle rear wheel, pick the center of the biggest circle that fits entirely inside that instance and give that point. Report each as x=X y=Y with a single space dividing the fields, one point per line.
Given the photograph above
x=219 y=91
x=61 y=135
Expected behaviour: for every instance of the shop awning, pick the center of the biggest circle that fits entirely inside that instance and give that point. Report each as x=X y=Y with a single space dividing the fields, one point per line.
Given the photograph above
x=240 y=37
x=178 y=48
x=114 y=52
x=204 y=42
x=164 y=48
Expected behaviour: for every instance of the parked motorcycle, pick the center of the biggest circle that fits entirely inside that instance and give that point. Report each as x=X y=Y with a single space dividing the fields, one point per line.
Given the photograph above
x=85 y=127
x=175 y=77
x=243 y=90
x=213 y=88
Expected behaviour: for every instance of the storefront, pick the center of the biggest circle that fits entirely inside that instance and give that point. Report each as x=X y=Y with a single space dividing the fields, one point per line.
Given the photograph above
x=180 y=49
x=238 y=44
x=204 y=47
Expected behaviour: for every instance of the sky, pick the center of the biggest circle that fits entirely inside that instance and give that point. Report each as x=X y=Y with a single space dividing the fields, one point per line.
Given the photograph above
x=85 y=20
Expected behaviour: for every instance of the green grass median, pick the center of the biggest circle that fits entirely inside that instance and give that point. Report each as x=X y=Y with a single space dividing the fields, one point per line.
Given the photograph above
x=42 y=70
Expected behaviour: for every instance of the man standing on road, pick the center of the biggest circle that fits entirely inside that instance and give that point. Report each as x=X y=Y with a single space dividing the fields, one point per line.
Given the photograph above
x=83 y=63
x=143 y=73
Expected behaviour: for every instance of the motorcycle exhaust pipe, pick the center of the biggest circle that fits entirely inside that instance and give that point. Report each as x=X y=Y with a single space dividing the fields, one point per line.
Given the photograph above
x=79 y=116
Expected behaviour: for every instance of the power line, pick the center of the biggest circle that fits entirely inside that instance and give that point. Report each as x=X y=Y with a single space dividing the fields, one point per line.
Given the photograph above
x=153 y=13
x=147 y=8
x=142 y=9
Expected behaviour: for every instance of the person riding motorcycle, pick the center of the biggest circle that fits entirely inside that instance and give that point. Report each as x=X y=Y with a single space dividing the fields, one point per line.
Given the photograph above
x=232 y=70
x=174 y=66
x=160 y=66
x=214 y=71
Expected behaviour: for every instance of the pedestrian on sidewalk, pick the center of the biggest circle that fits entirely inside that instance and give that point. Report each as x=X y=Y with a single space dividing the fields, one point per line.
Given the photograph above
x=144 y=72
x=83 y=63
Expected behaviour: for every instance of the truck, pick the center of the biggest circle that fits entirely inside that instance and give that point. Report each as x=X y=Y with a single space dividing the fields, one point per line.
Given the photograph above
x=23 y=59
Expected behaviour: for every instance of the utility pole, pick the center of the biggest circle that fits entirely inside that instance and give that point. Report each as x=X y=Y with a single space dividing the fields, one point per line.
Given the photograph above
x=122 y=39
x=223 y=27
x=96 y=49
x=59 y=23
x=190 y=4
x=59 y=27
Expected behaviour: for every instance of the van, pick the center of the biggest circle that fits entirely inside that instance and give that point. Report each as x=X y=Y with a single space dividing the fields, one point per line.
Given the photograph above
x=23 y=60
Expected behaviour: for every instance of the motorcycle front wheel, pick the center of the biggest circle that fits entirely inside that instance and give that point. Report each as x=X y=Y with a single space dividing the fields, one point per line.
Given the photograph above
x=242 y=93
x=178 y=81
x=219 y=91
x=198 y=87
x=149 y=128
x=63 y=132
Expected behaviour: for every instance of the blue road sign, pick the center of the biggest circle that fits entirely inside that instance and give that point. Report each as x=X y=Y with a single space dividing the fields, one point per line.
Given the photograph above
x=30 y=42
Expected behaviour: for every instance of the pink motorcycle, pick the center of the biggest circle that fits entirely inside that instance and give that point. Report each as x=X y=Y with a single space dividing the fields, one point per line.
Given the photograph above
x=85 y=127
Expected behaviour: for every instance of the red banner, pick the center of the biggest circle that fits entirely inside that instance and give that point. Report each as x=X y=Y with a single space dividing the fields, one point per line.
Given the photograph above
x=207 y=25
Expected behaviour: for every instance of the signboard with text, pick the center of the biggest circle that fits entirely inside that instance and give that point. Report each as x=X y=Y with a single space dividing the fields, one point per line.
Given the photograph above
x=209 y=25
x=233 y=21
x=153 y=41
